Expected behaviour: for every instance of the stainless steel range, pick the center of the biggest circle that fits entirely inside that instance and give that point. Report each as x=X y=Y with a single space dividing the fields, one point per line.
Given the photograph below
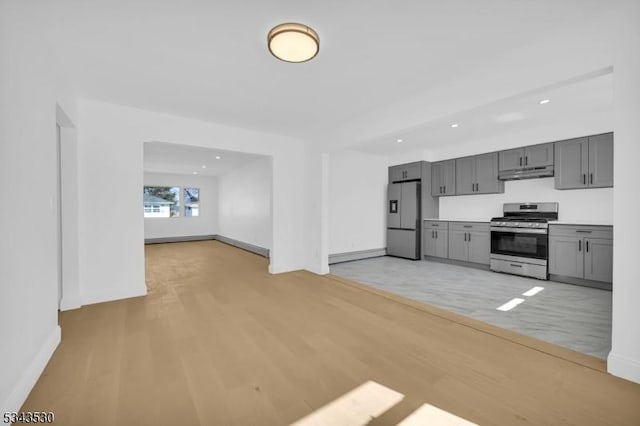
x=520 y=239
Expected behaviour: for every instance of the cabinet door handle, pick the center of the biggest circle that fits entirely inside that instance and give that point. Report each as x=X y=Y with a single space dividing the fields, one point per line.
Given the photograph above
x=579 y=245
x=477 y=187
x=444 y=189
x=469 y=239
x=526 y=160
x=465 y=236
x=436 y=235
x=521 y=161
x=591 y=178
x=584 y=179
x=473 y=187
x=586 y=243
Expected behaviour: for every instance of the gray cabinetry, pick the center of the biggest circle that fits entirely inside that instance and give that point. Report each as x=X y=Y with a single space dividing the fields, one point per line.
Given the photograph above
x=404 y=172
x=479 y=246
x=601 y=161
x=511 y=159
x=565 y=256
x=458 y=249
x=581 y=254
x=584 y=162
x=598 y=259
x=478 y=175
x=538 y=155
x=443 y=178
x=436 y=239
x=469 y=242
x=529 y=157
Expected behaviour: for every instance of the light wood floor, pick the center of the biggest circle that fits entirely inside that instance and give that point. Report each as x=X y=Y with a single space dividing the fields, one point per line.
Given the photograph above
x=219 y=341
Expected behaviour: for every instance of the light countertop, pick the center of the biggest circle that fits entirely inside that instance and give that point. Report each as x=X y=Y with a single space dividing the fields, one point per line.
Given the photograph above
x=580 y=222
x=553 y=222
x=457 y=220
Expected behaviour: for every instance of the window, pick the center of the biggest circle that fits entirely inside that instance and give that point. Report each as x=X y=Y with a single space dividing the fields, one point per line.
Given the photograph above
x=161 y=201
x=191 y=201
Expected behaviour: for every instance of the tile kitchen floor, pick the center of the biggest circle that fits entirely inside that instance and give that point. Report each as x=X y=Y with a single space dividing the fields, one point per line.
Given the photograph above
x=572 y=316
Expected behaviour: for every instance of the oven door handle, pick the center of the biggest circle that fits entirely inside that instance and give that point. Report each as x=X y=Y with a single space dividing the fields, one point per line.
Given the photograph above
x=519 y=230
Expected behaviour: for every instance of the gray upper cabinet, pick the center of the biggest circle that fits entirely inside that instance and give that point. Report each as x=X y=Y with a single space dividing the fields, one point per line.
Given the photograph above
x=478 y=175
x=538 y=155
x=584 y=162
x=404 y=172
x=527 y=157
x=511 y=159
x=443 y=178
x=601 y=161
x=465 y=175
x=572 y=162
x=581 y=252
x=487 y=174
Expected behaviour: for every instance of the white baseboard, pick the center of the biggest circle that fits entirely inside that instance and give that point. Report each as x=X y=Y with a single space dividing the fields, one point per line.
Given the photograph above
x=109 y=297
x=356 y=255
x=624 y=367
x=69 y=303
x=264 y=252
x=32 y=373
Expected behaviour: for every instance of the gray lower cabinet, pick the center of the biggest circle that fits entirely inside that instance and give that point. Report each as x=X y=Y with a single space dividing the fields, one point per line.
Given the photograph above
x=565 y=256
x=581 y=252
x=598 y=260
x=436 y=239
x=443 y=178
x=469 y=242
x=584 y=162
x=478 y=175
x=479 y=247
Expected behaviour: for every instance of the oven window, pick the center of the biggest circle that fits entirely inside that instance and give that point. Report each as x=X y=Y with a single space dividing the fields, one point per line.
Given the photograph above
x=519 y=244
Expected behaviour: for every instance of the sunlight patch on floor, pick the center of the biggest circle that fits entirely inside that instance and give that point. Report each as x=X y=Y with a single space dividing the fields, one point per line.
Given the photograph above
x=355 y=408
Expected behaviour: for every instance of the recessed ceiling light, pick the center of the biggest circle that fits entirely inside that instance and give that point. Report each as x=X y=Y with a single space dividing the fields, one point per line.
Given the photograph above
x=454 y=125
x=204 y=166
x=218 y=157
x=399 y=140
x=544 y=101
x=195 y=173
x=292 y=42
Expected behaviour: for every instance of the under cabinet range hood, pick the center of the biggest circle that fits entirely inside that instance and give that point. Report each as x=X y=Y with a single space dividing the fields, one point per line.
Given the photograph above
x=526 y=173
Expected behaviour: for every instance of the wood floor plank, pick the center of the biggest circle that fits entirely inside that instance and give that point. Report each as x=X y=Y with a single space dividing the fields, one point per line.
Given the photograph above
x=220 y=341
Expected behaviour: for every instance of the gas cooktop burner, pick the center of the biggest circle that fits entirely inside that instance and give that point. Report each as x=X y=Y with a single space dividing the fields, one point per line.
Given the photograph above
x=519 y=219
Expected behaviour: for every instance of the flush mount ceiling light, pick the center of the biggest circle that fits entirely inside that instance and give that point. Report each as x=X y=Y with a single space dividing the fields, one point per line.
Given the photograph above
x=454 y=125
x=544 y=101
x=293 y=42
x=399 y=140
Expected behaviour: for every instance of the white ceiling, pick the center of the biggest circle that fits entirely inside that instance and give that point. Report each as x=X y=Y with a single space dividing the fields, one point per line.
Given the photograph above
x=208 y=58
x=162 y=157
x=571 y=100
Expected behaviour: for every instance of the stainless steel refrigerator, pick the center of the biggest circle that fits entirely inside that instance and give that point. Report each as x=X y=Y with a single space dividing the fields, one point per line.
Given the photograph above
x=403 y=220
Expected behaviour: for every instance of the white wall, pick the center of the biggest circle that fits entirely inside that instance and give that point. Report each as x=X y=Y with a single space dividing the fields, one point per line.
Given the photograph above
x=357 y=196
x=589 y=205
x=244 y=206
x=204 y=224
x=624 y=358
x=110 y=161
x=28 y=249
